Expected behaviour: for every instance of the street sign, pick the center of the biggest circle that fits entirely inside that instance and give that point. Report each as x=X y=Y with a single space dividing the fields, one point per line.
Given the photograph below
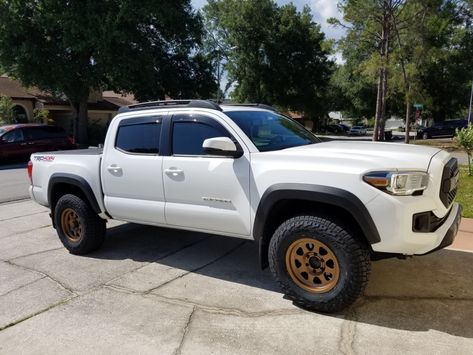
x=419 y=106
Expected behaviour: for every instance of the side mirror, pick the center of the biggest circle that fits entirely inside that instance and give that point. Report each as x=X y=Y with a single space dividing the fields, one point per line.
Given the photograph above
x=221 y=146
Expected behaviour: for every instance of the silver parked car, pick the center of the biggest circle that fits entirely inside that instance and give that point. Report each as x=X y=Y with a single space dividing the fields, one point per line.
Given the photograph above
x=357 y=131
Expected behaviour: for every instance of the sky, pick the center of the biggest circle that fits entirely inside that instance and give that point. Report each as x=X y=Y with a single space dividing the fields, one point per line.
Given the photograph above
x=321 y=10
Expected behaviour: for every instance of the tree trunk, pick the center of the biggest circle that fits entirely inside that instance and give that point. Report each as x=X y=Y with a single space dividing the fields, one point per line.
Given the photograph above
x=80 y=121
x=382 y=118
x=408 y=117
x=378 y=106
x=83 y=122
x=378 y=133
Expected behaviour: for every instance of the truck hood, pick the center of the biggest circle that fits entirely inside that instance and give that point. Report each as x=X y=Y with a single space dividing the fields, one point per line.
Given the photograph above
x=365 y=155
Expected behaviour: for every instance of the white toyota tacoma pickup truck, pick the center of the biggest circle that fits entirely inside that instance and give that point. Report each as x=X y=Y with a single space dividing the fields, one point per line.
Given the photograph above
x=319 y=212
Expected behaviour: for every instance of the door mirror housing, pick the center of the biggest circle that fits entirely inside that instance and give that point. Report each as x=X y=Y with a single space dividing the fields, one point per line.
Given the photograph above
x=221 y=146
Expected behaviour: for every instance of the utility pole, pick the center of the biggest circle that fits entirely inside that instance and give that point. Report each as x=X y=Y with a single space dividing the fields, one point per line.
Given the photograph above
x=471 y=99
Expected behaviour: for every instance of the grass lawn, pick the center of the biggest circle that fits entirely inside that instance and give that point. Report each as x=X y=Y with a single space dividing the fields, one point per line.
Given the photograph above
x=446 y=144
x=465 y=192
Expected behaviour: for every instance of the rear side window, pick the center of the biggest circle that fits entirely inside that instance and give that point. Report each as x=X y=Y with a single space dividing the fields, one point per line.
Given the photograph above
x=141 y=138
x=188 y=137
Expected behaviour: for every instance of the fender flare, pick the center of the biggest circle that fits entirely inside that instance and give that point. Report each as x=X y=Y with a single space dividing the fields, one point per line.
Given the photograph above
x=315 y=193
x=77 y=181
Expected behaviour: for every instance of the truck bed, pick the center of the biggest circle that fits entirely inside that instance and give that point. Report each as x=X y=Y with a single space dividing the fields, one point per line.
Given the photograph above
x=82 y=165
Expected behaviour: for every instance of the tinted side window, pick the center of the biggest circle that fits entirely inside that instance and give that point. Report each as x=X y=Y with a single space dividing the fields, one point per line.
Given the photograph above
x=139 y=138
x=188 y=137
x=33 y=133
x=44 y=132
x=54 y=132
x=14 y=136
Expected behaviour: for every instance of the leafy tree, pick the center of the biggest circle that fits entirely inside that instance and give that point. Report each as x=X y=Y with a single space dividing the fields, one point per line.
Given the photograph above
x=75 y=47
x=464 y=139
x=274 y=54
x=7 y=115
x=351 y=92
x=412 y=50
x=446 y=77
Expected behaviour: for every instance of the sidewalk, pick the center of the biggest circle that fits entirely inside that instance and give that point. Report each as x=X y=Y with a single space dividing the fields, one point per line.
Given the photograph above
x=464 y=239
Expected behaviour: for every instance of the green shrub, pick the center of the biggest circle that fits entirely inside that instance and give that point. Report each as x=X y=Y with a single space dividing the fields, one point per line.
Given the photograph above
x=41 y=115
x=7 y=115
x=464 y=140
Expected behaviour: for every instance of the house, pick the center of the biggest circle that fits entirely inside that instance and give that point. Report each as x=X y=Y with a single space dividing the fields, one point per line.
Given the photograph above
x=102 y=106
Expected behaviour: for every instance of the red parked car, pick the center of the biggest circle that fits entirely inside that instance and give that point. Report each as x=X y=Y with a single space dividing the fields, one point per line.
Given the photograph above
x=19 y=141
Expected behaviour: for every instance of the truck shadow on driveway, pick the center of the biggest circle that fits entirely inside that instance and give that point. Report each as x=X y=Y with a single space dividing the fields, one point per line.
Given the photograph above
x=421 y=294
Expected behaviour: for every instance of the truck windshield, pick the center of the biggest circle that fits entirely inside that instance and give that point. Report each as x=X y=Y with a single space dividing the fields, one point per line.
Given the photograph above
x=269 y=131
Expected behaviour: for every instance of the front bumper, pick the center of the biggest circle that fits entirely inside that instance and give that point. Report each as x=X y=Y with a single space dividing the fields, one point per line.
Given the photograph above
x=451 y=231
x=401 y=238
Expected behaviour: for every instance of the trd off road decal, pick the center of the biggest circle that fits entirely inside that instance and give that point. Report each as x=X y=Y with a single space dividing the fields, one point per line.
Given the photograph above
x=47 y=158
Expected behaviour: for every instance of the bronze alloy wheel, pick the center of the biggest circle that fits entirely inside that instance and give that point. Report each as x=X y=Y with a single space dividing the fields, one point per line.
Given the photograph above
x=312 y=265
x=71 y=226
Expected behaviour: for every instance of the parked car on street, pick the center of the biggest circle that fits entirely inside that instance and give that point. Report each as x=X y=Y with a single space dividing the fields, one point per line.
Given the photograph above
x=345 y=127
x=19 y=141
x=444 y=129
x=334 y=128
x=357 y=131
x=318 y=211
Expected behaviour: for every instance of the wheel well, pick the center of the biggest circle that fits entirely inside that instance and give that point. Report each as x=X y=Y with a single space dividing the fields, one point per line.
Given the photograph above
x=61 y=189
x=285 y=209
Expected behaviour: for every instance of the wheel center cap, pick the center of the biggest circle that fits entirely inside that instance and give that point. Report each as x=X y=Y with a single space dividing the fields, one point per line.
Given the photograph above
x=315 y=262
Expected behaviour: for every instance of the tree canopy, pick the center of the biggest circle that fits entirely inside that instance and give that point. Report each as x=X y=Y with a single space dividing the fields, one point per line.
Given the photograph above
x=274 y=54
x=71 y=48
x=410 y=51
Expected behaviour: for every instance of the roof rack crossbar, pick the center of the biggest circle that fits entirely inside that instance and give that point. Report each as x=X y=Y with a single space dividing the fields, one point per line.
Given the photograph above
x=170 y=103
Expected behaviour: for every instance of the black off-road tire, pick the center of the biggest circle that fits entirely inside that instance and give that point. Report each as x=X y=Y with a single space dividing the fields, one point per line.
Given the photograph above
x=352 y=257
x=89 y=234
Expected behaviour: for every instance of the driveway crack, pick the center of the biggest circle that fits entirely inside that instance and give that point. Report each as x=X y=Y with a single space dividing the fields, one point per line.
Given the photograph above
x=62 y=285
x=198 y=268
x=110 y=282
x=348 y=333
x=184 y=334
x=22 y=286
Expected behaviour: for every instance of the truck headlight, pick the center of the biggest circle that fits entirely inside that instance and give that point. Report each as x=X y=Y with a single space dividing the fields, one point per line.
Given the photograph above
x=398 y=183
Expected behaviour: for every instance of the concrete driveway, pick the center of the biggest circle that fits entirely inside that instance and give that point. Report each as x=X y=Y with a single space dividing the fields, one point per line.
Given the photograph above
x=152 y=290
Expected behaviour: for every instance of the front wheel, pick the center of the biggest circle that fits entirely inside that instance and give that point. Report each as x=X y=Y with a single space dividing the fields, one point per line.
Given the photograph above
x=319 y=264
x=79 y=228
x=425 y=135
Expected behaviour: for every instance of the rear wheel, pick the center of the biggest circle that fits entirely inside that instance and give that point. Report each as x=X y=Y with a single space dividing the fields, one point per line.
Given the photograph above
x=318 y=263
x=78 y=226
x=425 y=135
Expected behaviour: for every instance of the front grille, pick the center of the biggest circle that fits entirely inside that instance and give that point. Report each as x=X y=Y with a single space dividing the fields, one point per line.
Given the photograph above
x=448 y=189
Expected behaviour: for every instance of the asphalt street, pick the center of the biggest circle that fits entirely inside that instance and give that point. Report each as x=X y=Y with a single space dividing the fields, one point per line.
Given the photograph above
x=162 y=291
x=14 y=182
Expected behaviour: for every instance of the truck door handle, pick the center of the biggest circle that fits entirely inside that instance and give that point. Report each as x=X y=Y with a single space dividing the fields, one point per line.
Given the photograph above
x=173 y=171
x=114 y=168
